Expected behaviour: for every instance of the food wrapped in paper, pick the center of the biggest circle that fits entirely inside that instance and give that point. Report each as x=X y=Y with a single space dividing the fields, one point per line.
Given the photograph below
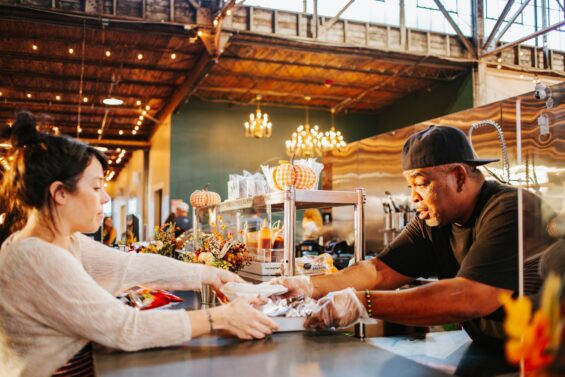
x=314 y=265
x=233 y=290
x=289 y=313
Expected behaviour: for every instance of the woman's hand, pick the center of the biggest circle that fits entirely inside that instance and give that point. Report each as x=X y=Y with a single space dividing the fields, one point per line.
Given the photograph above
x=216 y=278
x=241 y=319
x=337 y=309
x=296 y=285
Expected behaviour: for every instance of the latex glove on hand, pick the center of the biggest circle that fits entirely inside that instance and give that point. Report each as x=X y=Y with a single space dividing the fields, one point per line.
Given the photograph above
x=296 y=285
x=338 y=309
x=216 y=278
x=241 y=319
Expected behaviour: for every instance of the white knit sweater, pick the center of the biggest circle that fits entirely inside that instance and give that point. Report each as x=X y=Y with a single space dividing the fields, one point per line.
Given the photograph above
x=54 y=301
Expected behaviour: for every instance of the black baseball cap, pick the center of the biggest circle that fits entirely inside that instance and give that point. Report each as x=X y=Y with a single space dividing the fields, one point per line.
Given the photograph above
x=439 y=145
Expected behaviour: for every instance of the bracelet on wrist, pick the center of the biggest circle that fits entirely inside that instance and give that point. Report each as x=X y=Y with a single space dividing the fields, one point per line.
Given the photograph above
x=210 y=319
x=369 y=303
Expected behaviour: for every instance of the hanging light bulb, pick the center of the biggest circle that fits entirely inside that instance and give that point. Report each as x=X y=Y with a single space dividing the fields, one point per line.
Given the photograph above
x=259 y=126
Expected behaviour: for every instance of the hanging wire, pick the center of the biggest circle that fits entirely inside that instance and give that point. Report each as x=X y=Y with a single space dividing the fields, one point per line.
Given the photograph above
x=81 y=77
x=505 y=162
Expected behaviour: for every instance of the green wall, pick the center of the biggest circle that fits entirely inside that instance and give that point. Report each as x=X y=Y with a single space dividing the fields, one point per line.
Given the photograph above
x=208 y=142
x=442 y=99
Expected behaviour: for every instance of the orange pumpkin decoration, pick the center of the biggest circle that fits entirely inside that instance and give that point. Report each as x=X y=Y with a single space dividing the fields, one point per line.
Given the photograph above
x=299 y=176
x=204 y=198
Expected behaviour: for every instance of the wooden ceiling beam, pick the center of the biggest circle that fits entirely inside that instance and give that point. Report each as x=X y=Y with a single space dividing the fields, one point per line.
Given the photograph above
x=96 y=63
x=313 y=48
x=327 y=67
x=227 y=73
x=272 y=93
x=118 y=143
x=285 y=104
x=31 y=103
x=75 y=41
x=86 y=93
x=15 y=73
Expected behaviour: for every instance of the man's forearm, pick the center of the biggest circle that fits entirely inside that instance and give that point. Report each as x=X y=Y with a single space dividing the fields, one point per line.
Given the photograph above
x=445 y=301
x=362 y=275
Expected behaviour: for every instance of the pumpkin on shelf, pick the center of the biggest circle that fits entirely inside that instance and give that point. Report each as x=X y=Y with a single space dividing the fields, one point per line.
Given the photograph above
x=204 y=198
x=299 y=176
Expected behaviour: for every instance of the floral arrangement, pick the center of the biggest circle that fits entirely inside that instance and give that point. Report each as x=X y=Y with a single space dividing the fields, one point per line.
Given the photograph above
x=164 y=243
x=534 y=339
x=219 y=249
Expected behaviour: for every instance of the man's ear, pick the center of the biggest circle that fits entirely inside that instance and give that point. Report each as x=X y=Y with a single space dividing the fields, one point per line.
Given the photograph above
x=58 y=192
x=460 y=176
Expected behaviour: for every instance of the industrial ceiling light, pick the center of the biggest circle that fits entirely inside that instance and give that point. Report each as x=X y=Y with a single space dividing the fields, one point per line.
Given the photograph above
x=112 y=101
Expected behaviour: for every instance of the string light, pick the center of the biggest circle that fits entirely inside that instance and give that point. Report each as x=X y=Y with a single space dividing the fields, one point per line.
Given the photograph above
x=34 y=47
x=139 y=56
x=136 y=128
x=498 y=66
x=99 y=132
x=199 y=33
x=173 y=56
x=121 y=132
x=147 y=107
x=119 y=149
x=108 y=53
x=141 y=117
x=71 y=51
x=138 y=103
x=0 y=94
x=79 y=130
x=134 y=132
x=139 y=123
x=58 y=98
x=144 y=112
x=85 y=99
x=110 y=162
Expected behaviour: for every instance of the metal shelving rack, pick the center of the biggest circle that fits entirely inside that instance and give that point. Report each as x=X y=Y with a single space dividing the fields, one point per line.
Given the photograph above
x=288 y=201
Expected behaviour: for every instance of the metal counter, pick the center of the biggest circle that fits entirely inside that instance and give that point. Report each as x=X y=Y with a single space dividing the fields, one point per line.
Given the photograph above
x=283 y=354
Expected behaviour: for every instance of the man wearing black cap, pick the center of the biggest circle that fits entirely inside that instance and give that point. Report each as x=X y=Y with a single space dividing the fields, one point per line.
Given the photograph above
x=466 y=234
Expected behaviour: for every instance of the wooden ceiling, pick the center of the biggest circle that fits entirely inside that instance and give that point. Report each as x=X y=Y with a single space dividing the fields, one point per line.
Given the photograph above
x=80 y=58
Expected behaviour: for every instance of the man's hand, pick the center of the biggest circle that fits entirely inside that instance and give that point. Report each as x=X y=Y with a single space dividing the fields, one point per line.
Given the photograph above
x=337 y=309
x=296 y=285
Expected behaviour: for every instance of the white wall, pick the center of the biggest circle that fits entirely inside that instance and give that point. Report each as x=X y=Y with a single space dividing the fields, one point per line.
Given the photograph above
x=159 y=172
x=128 y=185
x=500 y=84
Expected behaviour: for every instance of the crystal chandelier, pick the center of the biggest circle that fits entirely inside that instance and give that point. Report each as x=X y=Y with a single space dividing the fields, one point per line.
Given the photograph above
x=332 y=139
x=258 y=125
x=305 y=142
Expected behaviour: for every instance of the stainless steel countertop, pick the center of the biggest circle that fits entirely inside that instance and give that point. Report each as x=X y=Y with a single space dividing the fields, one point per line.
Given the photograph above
x=283 y=354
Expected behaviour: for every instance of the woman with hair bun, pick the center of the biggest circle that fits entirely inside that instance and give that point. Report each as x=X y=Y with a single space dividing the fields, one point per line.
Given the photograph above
x=58 y=286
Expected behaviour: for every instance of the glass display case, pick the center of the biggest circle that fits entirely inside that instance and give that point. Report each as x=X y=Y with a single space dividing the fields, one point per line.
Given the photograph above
x=282 y=206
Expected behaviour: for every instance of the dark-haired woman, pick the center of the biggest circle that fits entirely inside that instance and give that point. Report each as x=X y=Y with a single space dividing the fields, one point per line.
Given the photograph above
x=108 y=232
x=58 y=286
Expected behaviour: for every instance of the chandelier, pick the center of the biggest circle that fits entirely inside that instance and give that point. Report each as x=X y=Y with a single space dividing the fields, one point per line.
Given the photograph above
x=332 y=139
x=258 y=125
x=305 y=142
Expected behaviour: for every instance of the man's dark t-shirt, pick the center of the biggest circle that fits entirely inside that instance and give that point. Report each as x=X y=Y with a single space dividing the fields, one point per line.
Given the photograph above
x=485 y=249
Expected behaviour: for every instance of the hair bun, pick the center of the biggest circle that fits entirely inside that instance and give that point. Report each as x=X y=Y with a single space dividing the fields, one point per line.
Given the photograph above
x=23 y=130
